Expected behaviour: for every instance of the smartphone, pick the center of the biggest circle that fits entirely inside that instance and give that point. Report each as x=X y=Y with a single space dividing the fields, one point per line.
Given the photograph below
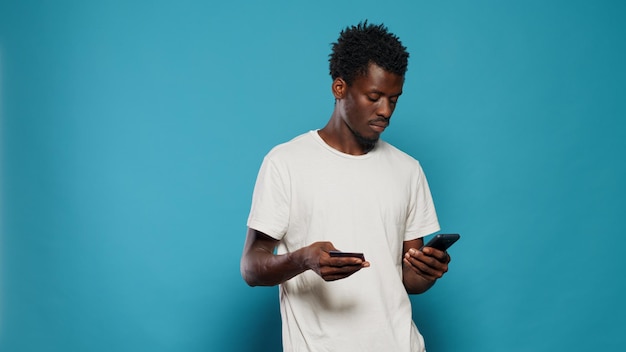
x=347 y=254
x=442 y=241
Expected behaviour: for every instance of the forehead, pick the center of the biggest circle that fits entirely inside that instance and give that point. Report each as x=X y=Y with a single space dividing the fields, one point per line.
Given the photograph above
x=380 y=80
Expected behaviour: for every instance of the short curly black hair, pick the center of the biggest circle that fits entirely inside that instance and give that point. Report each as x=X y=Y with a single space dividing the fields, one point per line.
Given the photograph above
x=365 y=43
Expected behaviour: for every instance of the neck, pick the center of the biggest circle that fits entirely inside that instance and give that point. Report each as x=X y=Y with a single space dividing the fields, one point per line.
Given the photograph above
x=339 y=136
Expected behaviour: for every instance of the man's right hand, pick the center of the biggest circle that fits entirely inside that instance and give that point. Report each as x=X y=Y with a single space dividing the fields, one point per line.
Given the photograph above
x=317 y=258
x=261 y=267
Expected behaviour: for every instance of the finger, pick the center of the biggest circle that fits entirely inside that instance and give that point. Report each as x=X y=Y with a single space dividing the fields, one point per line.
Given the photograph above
x=421 y=268
x=341 y=271
x=416 y=256
x=334 y=277
x=432 y=252
x=427 y=267
x=345 y=261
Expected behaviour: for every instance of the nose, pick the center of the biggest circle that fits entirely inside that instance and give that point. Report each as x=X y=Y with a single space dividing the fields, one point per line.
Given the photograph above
x=385 y=108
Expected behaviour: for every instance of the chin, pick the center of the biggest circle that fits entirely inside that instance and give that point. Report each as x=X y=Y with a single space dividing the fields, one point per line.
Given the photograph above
x=368 y=143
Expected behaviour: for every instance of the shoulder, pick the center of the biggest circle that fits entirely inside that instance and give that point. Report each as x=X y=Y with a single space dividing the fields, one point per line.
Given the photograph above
x=396 y=156
x=293 y=144
x=296 y=147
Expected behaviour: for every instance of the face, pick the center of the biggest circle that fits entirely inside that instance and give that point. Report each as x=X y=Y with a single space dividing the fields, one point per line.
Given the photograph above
x=366 y=106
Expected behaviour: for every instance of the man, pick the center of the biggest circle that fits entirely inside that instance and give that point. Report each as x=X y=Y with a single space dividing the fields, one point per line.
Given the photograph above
x=341 y=187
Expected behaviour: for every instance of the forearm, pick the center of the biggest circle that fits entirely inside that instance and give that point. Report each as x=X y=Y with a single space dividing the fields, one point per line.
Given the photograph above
x=415 y=284
x=260 y=267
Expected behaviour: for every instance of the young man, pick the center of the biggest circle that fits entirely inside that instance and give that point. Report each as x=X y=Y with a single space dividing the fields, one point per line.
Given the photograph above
x=341 y=187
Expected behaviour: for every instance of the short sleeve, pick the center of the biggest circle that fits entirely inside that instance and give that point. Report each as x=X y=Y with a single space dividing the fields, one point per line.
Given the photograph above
x=269 y=212
x=422 y=217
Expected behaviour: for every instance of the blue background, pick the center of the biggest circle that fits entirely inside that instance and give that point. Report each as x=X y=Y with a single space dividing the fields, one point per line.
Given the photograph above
x=131 y=134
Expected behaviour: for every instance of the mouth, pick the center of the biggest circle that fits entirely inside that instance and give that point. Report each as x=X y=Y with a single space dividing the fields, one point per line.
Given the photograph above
x=379 y=126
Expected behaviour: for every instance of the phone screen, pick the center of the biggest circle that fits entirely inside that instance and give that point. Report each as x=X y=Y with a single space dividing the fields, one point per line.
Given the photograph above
x=442 y=241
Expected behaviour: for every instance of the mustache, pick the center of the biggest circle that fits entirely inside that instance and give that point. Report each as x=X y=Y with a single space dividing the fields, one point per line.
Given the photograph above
x=385 y=120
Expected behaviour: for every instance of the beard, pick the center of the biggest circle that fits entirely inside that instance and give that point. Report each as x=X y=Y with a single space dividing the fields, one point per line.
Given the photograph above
x=365 y=142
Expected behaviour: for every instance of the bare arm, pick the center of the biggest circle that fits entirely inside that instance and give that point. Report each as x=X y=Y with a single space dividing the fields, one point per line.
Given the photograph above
x=261 y=267
x=421 y=269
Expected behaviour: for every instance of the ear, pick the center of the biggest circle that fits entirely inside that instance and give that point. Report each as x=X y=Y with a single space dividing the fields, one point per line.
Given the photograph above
x=339 y=87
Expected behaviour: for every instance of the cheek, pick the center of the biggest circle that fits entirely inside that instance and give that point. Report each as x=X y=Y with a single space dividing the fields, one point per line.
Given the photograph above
x=358 y=110
x=363 y=107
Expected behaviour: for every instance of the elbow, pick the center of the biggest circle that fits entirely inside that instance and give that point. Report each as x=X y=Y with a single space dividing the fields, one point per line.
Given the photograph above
x=248 y=275
x=245 y=275
x=249 y=279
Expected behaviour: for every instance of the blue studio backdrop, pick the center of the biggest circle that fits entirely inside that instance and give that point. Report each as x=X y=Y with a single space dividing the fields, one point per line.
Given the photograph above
x=131 y=133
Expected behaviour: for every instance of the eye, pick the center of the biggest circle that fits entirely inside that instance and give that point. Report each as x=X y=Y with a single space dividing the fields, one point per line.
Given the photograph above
x=373 y=98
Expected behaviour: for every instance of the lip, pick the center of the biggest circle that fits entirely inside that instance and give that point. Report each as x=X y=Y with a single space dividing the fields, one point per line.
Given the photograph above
x=378 y=127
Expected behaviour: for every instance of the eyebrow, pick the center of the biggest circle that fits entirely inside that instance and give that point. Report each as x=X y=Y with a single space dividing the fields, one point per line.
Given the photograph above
x=375 y=91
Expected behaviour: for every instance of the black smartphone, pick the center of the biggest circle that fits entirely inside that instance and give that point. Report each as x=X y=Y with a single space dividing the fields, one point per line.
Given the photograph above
x=347 y=254
x=442 y=241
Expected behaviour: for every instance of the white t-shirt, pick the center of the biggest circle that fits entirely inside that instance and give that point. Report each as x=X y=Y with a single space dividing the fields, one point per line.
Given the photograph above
x=306 y=191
